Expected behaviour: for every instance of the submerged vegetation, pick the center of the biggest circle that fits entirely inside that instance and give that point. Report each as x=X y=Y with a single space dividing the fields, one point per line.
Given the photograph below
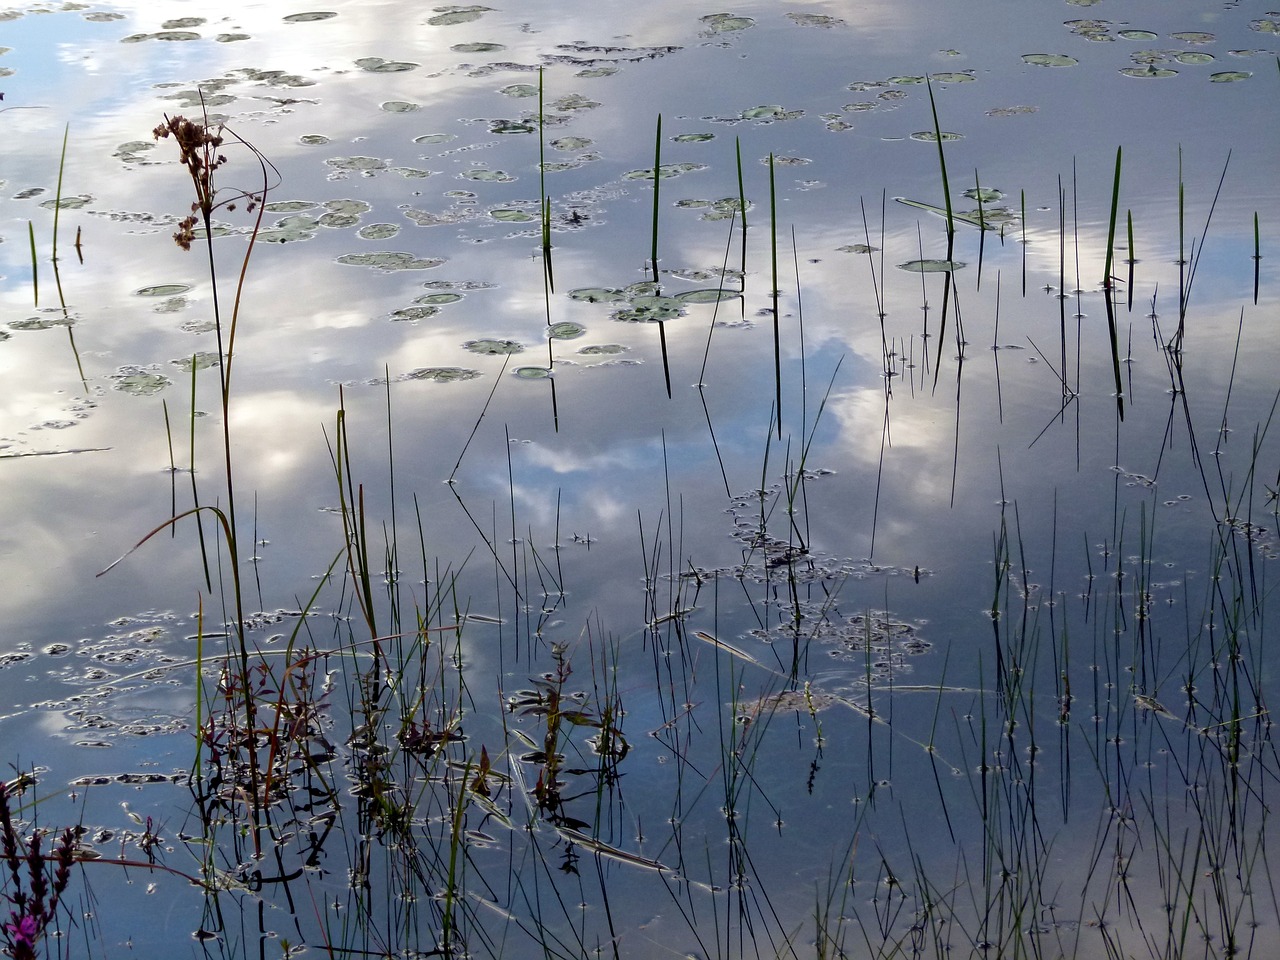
x=809 y=737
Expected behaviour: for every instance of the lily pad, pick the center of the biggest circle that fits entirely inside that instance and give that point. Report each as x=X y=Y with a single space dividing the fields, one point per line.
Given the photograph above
x=425 y=312
x=289 y=206
x=378 y=231
x=650 y=309
x=1050 y=59
x=597 y=295
x=815 y=20
x=1230 y=76
x=348 y=208
x=139 y=383
x=1194 y=57
x=512 y=215
x=388 y=261
x=725 y=22
x=441 y=374
x=162 y=290
x=520 y=90
x=931 y=266
x=486 y=175
x=708 y=295
x=400 y=106
x=952 y=77
x=1146 y=36
x=601 y=349
x=453 y=15
x=438 y=299
x=490 y=347
x=665 y=172
x=531 y=373
x=929 y=136
x=478 y=47
x=1149 y=71
x=1194 y=36
x=565 y=330
x=310 y=17
x=201 y=360
x=378 y=65
x=857 y=248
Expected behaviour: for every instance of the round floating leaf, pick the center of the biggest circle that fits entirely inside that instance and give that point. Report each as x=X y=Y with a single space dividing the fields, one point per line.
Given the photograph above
x=815 y=20
x=1146 y=36
x=906 y=79
x=314 y=139
x=490 y=347
x=361 y=164
x=952 y=77
x=601 y=349
x=565 y=330
x=693 y=138
x=771 y=111
x=439 y=299
x=929 y=136
x=309 y=17
x=488 y=176
x=68 y=203
x=512 y=215
x=201 y=360
x=520 y=90
x=571 y=143
x=1149 y=71
x=665 y=172
x=435 y=138
x=709 y=295
x=378 y=65
x=594 y=72
x=162 y=290
x=1194 y=57
x=338 y=221
x=348 y=208
x=857 y=248
x=931 y=266
x=415 y=313
x=400 y=106
x=378 y=231
x=1194 y=36
x=450 y=16
x=390 y=261
x=531 y=373
x=290 y=206
x=139 y=383
x=1265 y=26
x=441 y=374
x=597 y=295
x=477 y=47
x=1049 y=59
x=725 y=22
x=1230 y=76
x=650 y=309
x=641 y=288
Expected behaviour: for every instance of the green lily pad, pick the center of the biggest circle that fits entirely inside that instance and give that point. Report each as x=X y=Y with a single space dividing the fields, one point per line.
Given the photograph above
x=857 y=248
x=512 y=215
x=1194 y=57
x=366 y=165
x=665 y=172
x=1230 y=76
x=400 y=106
x=378 y=231
x=378 y=65
x=162 y=290
x=139 y=383
x=487 y=176
x=929 y=136
x=490 y=347
x=453 y=15
x=310 y=17
x=202 y=360
x=531 y=373
x=570 y=143
x=479 y=47
x=597 y=295
x=931 y=266
x=520 y=90
x=441 y=374
x=601 y=349
x=815 y=20
x=425 y=312
x=289 y=206
x=1146 y=36
x=650 y=309
x=348 y=208
x=389 y=262
x=708 y=295
x=313 y=139
x=1149 y=71
x=565 y=330
x=725 y=22
x=1194 y=36
x=952 y=77
x=1050 y=59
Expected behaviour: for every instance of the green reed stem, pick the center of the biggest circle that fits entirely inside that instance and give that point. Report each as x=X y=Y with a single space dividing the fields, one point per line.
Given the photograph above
x=35 y=267
x=1107 y=287
x=777 y=321
x=657 y=179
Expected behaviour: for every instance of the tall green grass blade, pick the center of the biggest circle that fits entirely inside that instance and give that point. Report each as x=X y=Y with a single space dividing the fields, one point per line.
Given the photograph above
x=948 y=277
x=1132 y=259
x=1257 y=257
x=548 y=275
x=35 y=264
x=742 y=212
x=57 y=201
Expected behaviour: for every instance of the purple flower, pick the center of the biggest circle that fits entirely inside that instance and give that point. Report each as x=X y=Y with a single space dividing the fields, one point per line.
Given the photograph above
x=22 y=932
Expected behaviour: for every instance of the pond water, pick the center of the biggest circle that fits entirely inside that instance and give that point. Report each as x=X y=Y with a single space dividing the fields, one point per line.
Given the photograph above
x=821 y=588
